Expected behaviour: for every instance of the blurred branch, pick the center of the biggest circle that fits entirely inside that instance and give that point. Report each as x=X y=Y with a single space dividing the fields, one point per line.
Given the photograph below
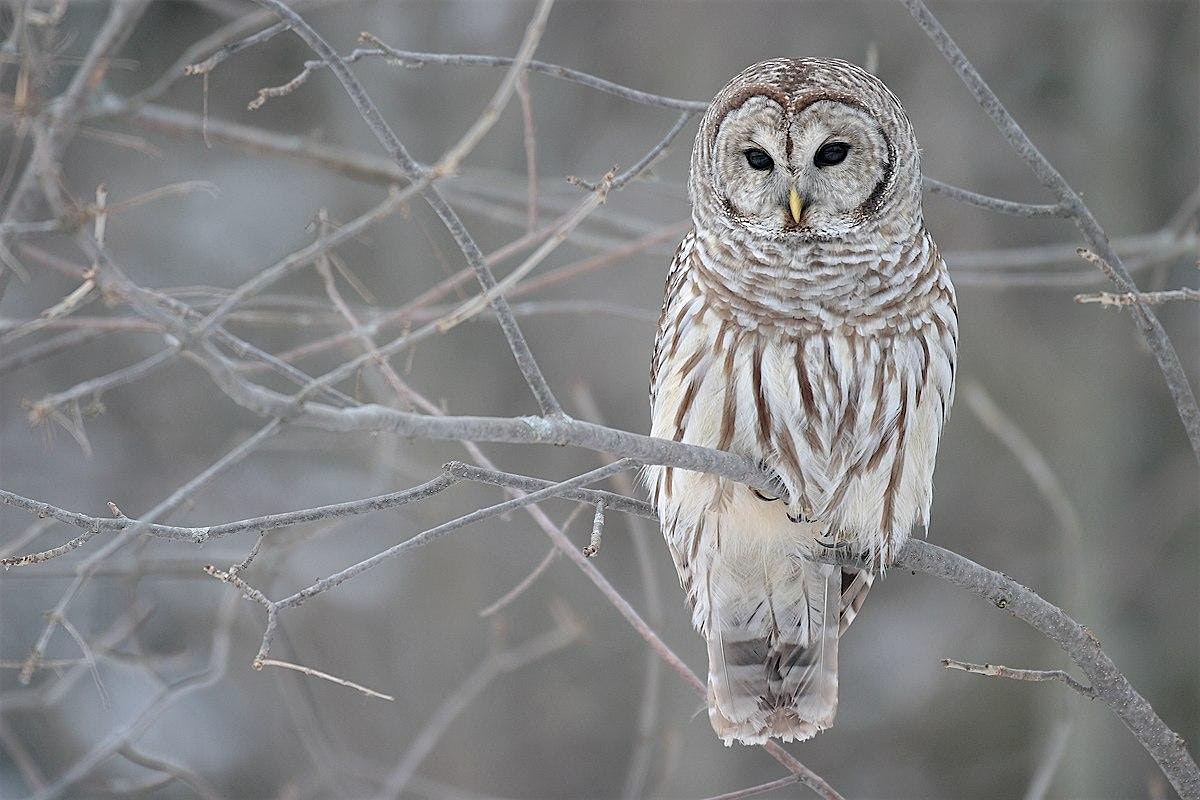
x=1039 y=785
x=512 y=594
x=175 y=771
x=124 y=735
x=495 y=665
x=65 y=113
x=1149 y=326
x=383 y=132
x=755 y=791
x=1038 y=468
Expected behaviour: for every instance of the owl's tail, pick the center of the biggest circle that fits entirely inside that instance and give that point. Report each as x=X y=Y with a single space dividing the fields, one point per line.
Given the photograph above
x=772 y=649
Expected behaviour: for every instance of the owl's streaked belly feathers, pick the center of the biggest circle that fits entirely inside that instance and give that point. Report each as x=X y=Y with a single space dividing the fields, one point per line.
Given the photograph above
x=847 y=407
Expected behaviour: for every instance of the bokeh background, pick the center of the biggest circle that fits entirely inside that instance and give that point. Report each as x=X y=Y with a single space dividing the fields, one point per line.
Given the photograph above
x=1108 y=90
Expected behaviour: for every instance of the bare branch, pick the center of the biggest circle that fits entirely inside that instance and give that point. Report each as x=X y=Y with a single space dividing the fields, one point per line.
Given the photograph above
x=177 y=498
x=512 y=594
x=1111 y=687
x=529 y=139
x=593 y=548
x=167 y=697
x=175 y=771
x=1149 y=326
x=374 y=119
x=644 y=163
x=410 y=59
x=492 y=667
x=259 y=663
x=755 y=791
x=40 y=409
x=445 y=528
x=209 y=64
x=94 y=525
x=1127 y=299
x=998 y=671
x=995 y=203
x=611 y=501
x=452 y=160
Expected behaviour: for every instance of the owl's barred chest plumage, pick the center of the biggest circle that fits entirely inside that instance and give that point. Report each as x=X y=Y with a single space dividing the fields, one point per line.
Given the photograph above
x=841 y=393
x=809 y=325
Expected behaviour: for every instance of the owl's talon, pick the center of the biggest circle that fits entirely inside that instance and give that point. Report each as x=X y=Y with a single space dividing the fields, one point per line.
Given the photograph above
x=776 y=482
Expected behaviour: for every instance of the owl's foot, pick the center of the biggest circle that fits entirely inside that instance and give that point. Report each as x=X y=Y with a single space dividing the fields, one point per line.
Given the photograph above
x=778 y=489
x=847 y=548
x=829 y=540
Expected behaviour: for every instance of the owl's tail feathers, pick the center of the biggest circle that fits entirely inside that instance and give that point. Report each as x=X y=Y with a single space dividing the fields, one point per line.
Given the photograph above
x=772 y=657
x=855 y=585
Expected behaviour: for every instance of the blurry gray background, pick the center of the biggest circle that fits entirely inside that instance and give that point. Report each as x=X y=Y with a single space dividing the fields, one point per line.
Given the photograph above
x=1108 y=90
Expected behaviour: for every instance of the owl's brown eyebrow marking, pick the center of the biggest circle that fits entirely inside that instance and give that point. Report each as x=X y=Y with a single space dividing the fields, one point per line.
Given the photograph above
x=806 y=100
x=738 y=100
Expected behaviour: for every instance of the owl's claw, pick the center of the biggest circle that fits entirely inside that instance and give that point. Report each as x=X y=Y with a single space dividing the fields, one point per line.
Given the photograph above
x=836 y=548
x=776 y=483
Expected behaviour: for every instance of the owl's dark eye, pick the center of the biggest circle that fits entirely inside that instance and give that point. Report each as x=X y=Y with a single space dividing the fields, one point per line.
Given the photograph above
x=830 y=154
x=758 y=159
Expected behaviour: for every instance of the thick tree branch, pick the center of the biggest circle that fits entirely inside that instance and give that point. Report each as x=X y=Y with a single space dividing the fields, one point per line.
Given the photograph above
x=1110 y=686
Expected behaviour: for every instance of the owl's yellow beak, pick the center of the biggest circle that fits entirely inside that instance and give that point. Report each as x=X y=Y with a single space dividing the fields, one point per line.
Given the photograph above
x=796 y=205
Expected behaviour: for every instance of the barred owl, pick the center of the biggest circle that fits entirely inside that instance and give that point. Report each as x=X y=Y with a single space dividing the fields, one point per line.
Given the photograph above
x=809 y=325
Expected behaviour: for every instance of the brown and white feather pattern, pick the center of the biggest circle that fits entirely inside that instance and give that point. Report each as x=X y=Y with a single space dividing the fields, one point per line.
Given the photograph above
x=832 y=363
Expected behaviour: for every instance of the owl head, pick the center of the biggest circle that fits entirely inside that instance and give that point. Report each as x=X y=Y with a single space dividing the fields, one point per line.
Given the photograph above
x=809 y=149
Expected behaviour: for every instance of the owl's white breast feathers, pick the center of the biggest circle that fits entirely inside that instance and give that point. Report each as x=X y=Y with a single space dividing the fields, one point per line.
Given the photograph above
x=846 y=405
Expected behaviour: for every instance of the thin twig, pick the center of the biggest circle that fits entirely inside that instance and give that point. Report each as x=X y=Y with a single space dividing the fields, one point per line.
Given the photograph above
x=492 y=667
x=512 y=594
x=593 y=548
x=175 y=771
x=93 y=526
x=999 y=671
x=995 y=203
x=529 y=139
x=259 y=663
x=1043 y=776
x=209 y=64
x=755 y=791
x=1127 y=299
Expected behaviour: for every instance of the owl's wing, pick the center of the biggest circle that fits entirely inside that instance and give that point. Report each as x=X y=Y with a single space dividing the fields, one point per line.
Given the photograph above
x=666 y=331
